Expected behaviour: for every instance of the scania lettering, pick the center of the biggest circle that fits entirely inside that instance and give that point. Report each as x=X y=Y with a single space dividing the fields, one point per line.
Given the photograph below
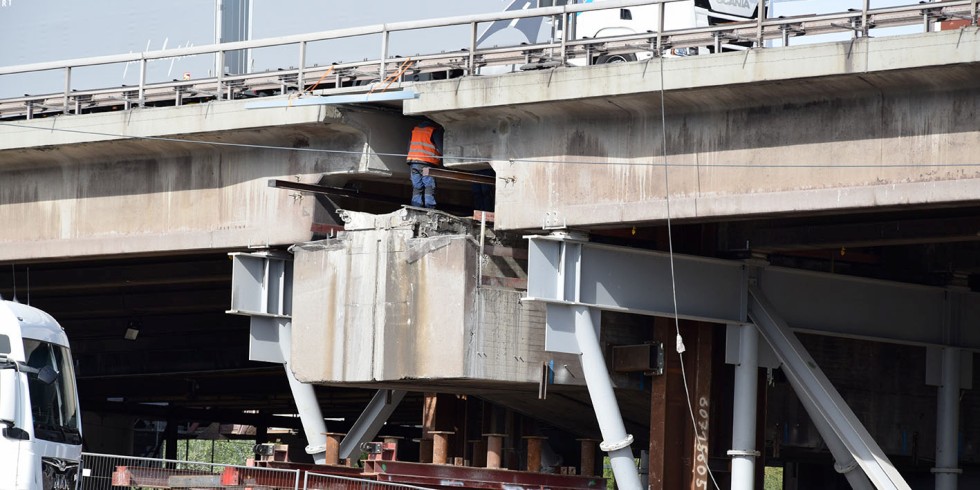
x=40 y=426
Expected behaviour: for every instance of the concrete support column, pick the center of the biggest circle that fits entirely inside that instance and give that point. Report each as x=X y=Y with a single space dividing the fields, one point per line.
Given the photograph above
x=947 y=422
x=534 y=453
x=495 y=446
x=440 y=446
x=615 y=439
x=587 y=456
x=743 y=451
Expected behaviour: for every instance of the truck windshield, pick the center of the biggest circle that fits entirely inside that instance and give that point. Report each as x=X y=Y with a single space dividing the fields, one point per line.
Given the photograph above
x=53 y=404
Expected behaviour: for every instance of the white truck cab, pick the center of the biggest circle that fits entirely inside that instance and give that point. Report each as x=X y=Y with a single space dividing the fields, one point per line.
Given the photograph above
x=646 y=18
x=40 y=423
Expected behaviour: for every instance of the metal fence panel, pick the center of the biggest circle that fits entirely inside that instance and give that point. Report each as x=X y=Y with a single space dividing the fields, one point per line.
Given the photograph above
x=318 y=481
x=112 y=472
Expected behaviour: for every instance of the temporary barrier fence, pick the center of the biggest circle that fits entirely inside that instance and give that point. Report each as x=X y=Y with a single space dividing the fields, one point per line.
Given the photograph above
x=318 y=481
x=107 y=471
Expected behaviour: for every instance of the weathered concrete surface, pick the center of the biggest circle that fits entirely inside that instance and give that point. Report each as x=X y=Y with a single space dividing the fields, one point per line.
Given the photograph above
x=382 y=303
x=80 y=194
x=869 y=123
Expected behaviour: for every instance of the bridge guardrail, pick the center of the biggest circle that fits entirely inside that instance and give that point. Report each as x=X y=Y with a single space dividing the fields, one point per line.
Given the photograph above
x=389 y=70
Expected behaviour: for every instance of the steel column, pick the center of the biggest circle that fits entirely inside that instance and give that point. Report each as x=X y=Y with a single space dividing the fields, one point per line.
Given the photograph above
x=440 y=446
x=306 y=403
x=495 y=449
x=947 y=422
x=743 y=451
x=833 y=418
x=534 y=452
x=615 y=439
x=374 y=416
x=587 y=457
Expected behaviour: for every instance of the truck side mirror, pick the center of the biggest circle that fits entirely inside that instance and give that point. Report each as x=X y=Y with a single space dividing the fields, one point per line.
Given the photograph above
x=9 y=393
x=47 y=375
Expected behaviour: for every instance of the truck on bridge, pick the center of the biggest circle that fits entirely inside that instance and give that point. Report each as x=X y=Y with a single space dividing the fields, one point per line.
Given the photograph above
x=40 y=423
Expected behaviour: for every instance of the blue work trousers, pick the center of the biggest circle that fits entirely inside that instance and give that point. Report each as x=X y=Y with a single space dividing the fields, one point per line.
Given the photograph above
x=423 y=187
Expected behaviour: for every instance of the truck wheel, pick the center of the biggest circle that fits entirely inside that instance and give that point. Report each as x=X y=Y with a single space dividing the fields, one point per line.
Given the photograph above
x=615 y=58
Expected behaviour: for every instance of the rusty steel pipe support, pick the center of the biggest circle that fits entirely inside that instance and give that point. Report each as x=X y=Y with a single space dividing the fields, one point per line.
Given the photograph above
x=331 y=454
x=587 y=456
x=534 y=453
x=440 y=446
x=495 y=446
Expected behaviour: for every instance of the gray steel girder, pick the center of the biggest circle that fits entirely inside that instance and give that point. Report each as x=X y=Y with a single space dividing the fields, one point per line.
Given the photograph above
x=639 y=281
x=820 y=396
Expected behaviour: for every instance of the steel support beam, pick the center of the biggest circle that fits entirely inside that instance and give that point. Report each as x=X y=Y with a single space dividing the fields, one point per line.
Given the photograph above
x=616 y=441
x=261 y=288
x=374 y=416
x=306 y=403
x=743 y=451
x=947 y=422
x=577 y=328
x=442 y=173
x=823 y=402
x=639 y=281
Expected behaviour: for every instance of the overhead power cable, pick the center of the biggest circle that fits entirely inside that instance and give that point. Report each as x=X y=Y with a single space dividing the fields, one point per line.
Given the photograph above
x=462 y=159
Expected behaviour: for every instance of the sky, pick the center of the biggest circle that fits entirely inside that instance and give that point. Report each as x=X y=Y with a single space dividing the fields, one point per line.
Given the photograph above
x=48 y=30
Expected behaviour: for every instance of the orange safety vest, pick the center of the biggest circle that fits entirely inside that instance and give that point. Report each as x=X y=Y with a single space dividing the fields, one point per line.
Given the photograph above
x=422 y=148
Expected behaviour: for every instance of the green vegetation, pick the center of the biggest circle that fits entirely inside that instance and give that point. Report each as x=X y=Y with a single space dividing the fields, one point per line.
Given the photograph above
x=208 y=451
x=774 y=478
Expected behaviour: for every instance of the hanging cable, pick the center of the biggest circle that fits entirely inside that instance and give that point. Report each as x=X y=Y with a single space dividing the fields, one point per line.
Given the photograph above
x=679 y=340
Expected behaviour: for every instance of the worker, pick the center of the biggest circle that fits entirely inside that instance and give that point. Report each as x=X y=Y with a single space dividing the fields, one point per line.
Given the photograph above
x=425 y=150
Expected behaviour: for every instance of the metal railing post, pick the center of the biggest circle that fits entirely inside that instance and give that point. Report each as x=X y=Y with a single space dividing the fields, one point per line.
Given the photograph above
x=67 y=89
x=220 y=72
x=471 y=64
x=660 y=29
x=385 y=35
x=761 y=16
x=973 y=13
x=564 y=37
x=302 y=66
x=864 y=18
x=142 y=91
